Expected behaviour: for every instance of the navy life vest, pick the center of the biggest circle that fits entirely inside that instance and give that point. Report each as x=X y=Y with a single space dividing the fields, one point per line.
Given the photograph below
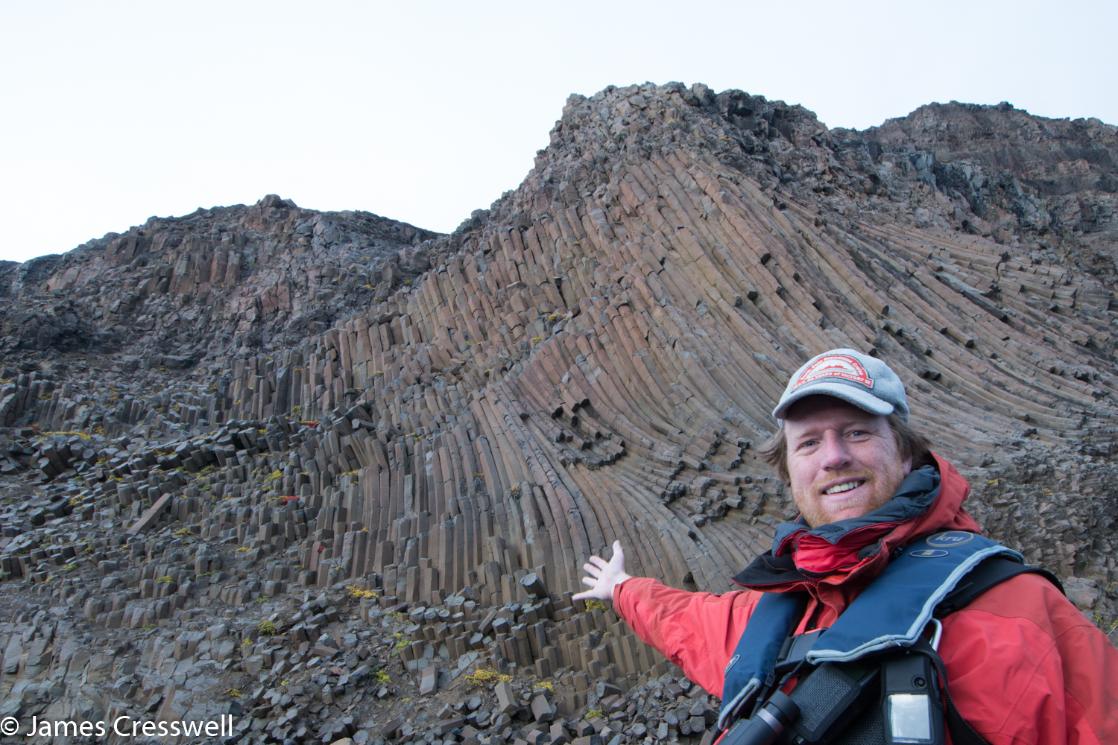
x=892 y=613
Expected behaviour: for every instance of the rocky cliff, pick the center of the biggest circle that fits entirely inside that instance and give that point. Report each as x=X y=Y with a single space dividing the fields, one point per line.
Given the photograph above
x=225 y=280
x=301 y=467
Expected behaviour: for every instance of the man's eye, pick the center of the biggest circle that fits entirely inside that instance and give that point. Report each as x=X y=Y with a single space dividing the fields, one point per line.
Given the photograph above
x=805 y=444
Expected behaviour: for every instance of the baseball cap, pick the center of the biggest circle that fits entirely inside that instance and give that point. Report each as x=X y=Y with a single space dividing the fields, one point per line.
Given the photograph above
x=858 y=379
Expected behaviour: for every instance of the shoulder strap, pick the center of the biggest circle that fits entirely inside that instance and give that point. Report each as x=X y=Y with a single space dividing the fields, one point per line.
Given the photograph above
x=992 y=571
x=751 y=667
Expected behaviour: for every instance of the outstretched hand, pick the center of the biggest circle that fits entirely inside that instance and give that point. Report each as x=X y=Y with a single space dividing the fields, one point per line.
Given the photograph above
x=603 y=576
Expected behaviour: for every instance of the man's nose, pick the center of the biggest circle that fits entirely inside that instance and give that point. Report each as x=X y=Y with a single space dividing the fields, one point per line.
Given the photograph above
x=835 y=453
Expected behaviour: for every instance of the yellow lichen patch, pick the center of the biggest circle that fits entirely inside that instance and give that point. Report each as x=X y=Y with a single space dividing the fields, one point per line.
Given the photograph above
x=485 y=676
x=360 y=592
x=67 y=433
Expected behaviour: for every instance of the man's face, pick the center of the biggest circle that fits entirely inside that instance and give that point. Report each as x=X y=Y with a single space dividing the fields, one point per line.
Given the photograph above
x=842 y=462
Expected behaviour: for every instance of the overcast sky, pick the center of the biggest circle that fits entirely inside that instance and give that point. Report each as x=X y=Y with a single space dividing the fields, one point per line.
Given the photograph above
x=111 y=112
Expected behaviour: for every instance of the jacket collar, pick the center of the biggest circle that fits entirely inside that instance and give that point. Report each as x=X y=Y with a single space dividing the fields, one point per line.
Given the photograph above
x=929 y=499
x=914 y=496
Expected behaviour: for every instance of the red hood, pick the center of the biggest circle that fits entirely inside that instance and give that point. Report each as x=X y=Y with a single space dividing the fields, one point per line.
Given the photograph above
x=946 y=513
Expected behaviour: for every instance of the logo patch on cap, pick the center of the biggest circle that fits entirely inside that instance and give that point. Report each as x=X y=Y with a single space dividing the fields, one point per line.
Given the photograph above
x=836 y=366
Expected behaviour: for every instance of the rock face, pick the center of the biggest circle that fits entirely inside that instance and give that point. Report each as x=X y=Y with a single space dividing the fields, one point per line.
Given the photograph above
x=298 y=467
x=249 y=279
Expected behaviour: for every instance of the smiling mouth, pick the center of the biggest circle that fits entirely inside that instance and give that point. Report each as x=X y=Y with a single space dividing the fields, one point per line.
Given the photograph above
x=845 y=486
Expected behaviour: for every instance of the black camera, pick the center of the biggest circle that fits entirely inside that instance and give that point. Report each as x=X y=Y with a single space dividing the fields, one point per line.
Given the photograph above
x=767 y=724
x=896 y=699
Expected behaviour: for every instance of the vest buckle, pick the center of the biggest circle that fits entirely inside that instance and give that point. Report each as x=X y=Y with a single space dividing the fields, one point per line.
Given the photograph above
x=794 y=651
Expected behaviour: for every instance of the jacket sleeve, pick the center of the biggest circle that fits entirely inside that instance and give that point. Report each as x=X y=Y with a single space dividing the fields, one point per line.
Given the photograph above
x=697 y=631
x=1024 y=667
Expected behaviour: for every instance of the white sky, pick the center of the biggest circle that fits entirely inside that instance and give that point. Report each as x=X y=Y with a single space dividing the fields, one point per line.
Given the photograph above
x=111 y=112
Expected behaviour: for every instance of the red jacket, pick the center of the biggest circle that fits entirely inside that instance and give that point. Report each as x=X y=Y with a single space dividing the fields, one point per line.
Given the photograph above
x=1023 y=664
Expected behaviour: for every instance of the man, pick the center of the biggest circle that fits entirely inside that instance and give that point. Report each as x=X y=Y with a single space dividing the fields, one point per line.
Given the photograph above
x=1022 y=663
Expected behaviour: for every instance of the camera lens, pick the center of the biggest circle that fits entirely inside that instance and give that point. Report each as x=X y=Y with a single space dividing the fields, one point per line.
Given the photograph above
x=767 y=725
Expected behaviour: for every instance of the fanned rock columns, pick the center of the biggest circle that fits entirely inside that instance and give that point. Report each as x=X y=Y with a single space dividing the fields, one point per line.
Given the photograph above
x=606 y=371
